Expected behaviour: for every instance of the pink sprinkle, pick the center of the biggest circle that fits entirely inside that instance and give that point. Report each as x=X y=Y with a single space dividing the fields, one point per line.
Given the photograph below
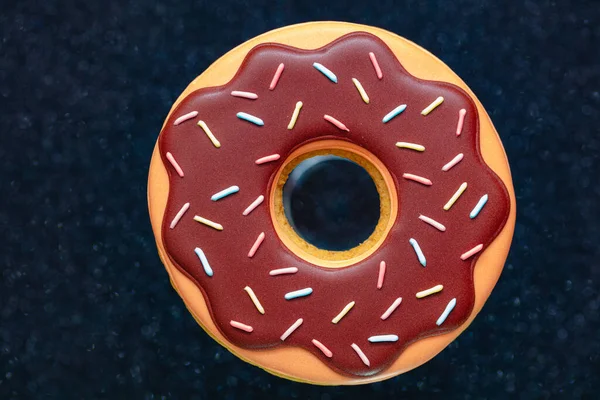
x=174 y=164
x=245 y=95
x=453 y=162
x=461 y=120
x=179 y=215
x=272 y=157
x=254 y=204
x=391 y=309
x=360 y=353
x=276 y=76
x=335 y=122
x=321 y=347
x=381 y=275
x=291 y=329
x=240 y=326
x=283 y=271
x=417 y=178
x=432 y=222
x=256 y=244
x=471 y=252
x=185 y=117
x=376 y=65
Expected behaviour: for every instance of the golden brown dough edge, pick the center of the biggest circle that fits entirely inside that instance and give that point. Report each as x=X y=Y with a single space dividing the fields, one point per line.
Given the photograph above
x=295 y=363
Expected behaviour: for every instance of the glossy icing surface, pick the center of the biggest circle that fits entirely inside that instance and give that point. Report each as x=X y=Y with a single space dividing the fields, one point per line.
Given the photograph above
x=208 y=170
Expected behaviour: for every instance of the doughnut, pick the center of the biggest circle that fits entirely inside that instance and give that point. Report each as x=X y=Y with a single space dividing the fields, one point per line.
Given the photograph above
x=365 y=311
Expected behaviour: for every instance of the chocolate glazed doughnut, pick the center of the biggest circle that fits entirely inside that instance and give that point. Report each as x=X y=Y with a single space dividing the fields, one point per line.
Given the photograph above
x=225 y=149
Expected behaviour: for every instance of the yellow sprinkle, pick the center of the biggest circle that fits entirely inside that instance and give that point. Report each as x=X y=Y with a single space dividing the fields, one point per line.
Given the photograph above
x=343 y=312
x=425 y=293
x=412 y=146
x=361 y=90
x=295 y=115
x=210 y=135
x=432 y=106
x=208 y=222
x=455 y=197
x=254 y=299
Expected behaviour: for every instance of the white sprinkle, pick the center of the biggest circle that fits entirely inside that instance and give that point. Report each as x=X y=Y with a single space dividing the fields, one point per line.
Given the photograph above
x=185 y=207
x=291 y=329
x=254 y=204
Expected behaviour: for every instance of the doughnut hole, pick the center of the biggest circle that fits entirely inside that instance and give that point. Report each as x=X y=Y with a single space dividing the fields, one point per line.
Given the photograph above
x=332 y=203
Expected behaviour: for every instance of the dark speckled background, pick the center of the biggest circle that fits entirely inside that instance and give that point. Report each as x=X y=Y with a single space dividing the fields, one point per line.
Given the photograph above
x=86 y=309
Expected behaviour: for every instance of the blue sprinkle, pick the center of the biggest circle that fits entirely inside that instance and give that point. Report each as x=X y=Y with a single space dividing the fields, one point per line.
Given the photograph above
x=225 y=193
x=383 y=338
x=250 y=118
x=446 y=312
x=395 y=112
x=204 y=261
x=420 y=254
x=479 y=206
x=325 y=71
x=298 y=293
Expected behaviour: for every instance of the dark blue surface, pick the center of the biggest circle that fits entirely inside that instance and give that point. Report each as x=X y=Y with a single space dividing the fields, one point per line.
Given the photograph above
x=86 y=309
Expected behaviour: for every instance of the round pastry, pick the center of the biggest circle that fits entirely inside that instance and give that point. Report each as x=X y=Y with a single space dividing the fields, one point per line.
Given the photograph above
x=432 y=218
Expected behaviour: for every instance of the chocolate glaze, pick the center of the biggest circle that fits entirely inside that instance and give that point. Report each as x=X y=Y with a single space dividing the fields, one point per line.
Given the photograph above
x=209 y=170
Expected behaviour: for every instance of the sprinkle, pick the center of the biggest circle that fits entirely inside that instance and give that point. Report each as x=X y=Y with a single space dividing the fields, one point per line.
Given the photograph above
x=417 y=249
x=475 y=212
x=322 y=69
x=391 y=309
x=360 y=353
x=254 y=204
x=295 y=115
x=254 y=299
x=417 y=178
x=250 y=118
x=256 y=244
x=472 y=252
x=210 y=135
x=381 y=275
x=335 y=122
x=453 y=162
x=433 y=223
x=283 y=271
x=343 y=313
x=208 y=222
x=383 y=338
x=185 y=117
x=461 y=120
x=447 y=311
x=291 y=329
x=412 y=146
x=375 y=65
x=394 y=113
x=272 y=157
x=455 y=196
x=240 y=326
x=276 y=76
x=185 y=207
x=361 y=90
x=174 y=164
x=245 y=95
x=203 y=261
x=322 y=347
x=430 y=291
x=298 y=293
x=432 y=106
x=225 y=192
